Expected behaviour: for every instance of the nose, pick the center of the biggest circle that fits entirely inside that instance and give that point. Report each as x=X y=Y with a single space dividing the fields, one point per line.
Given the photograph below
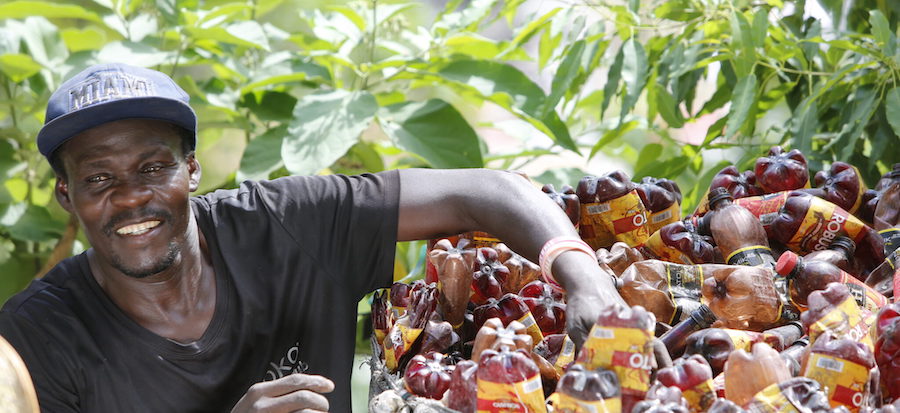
x=131 y=194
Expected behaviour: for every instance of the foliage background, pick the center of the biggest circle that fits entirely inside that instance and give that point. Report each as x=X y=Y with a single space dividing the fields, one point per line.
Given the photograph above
x=676 y=89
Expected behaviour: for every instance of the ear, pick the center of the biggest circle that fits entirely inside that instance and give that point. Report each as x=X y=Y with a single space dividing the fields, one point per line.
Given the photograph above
x=194 y=171
x=62 y=194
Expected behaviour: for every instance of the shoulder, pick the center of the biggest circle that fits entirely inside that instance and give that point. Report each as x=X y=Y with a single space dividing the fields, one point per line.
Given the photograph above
x=56 y=292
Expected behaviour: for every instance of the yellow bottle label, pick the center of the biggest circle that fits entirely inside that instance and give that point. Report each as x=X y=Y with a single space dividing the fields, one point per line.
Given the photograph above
x=660 y=219
x=524 y=396
x=661 y=251
x=625 y=351
x=481 y=239
x=824 y=222
x=626 y=219
x=843 y=380
x=532 y=328
x=845 y=319
x=392 y=354
x=563 y=403
x=701 y=396
x=684 y=282
x=592 y=228
x=771 y=400
x=866 y=297
x=742 y=340
x=566 y=355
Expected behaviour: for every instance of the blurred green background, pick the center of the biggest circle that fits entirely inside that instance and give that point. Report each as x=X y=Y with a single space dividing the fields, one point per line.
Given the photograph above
x=558 y=89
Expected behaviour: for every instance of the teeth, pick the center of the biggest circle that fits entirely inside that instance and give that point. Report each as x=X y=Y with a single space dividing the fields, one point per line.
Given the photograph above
x=137 y=229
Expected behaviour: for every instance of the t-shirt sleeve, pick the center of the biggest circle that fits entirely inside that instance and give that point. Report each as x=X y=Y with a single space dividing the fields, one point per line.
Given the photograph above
x=347 y=223
x=51 y=371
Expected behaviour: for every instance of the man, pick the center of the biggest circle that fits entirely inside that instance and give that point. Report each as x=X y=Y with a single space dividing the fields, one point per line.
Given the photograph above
x=242 y=299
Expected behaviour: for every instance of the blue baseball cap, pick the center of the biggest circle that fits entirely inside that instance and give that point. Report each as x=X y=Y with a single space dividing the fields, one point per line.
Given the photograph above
x=109 y=92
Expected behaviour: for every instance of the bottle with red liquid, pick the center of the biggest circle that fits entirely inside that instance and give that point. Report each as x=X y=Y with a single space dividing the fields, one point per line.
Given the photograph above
x=744 y=298
x=489 y=276
x=662 y=198
x=807 y=223
x=738 y=233
x=620 y=340
x=680 y=243
x=807 y=275
x=546 y=305
x=462 y=394
x=587 y=390
x=428 y=375
x=716 y=344
x=841 y=366
x=841 y=185
x=694 y=377
x=739 y=185
x=676 y=338
x=381 y=317
x=399 y=299
x=454 y=271
x=558 y=349
x=839 y=253
x=887 y=349
x=611 y=210
x=509 y=308
x=746 y=374
x=781 y=171
x=509 y=380
x=567 y=199
x=834 y=309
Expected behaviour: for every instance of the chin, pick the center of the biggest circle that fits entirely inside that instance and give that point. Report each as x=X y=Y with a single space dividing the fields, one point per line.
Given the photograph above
x=150 y=266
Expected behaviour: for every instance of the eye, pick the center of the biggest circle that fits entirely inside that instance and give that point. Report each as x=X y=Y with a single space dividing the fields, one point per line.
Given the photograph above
x=96 y=179
x=151 y=169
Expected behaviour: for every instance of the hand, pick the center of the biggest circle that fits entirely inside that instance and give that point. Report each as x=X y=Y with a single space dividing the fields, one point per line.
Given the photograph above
x=296 y=392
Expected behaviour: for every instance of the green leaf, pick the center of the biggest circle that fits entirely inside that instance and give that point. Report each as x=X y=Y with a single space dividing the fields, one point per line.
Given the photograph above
x=510 y=88
x=613 y=135
x=892 y=108
x=262 y=155
x=611 y=87
x=678 y=10
x=270 y=105
x=435 y=131
x=90 y=38
x=760 y=27
x=50 y=10
x=37 y=225
x=741 y=101
x=565 y=74
x=325 y=125
x=18 y=66
x=634 y=73
x=804 y=123
x=881 y=30
x=525 y=33
x=559 y=177
x=668 y=107
x=247 y=33
x=649 y=155
x=742 y=44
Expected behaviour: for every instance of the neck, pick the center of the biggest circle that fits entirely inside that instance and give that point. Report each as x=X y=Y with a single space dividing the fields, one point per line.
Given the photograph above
x=176 y=303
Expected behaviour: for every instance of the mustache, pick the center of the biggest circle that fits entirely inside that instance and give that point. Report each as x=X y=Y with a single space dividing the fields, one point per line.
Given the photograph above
x=134 y=215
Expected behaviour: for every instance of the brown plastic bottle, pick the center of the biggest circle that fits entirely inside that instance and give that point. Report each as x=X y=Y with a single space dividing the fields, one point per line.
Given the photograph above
x=805 y=276
x=679 y=242
x=839 y=252
x=746 y=374
x=662 y=198
x=840 y=184
x=581 y=390
x=675 y=339
x=795 y=354
x=807 y=223
x=841 y=366
x=887 y=216
x=716 y=344
x=743 y=297
x=737 y=232
x=669 y=291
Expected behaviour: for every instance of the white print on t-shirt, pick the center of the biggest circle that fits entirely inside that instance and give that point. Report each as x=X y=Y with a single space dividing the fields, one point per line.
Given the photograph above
x=289 y=364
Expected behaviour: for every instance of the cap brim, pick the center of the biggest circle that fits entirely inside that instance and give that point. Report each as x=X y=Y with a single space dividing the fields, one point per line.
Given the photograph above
x=63 y=128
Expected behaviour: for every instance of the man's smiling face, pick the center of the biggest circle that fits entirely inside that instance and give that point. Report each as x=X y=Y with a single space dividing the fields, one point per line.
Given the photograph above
x=129 y=183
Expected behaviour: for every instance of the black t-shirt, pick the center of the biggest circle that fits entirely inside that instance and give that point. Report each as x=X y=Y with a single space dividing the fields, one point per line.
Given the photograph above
x=293 y=257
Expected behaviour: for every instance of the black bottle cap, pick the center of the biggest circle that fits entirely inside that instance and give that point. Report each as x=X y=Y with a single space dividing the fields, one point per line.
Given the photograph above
x=844 y=242
x=718 y=194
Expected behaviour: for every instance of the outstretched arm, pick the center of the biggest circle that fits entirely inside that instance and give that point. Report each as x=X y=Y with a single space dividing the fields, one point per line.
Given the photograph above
x=436 y=203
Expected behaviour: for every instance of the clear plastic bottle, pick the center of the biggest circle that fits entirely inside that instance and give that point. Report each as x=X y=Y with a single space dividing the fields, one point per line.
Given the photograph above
x=746 y=374
x=738 y=233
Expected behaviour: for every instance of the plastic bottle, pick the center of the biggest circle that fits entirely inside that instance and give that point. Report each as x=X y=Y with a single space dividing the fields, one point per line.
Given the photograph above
x=454 y=271
x=620 y=341
x=428 y=375
x=662 y=198
x=887 y=216
x=611 y=210
x=798 y=394
x=749 y=373
x=546 y=305
x=489 y=276
x=716 y=344
x=462 y=395
x=743 y=297
x=508 y=380
x=805 y=276
x=566 y=199
x=675 y=339
x=794 y=356
x=582 y=390
x=679 y=242
x=558 y=349
x=839 y=253
x=807 y=223
x=781 y=171
x=509 y=308
x=842 y=185
x=694 y=377
x=619 y=257
x=738 y=233
x=887 y=349
x=494 y=335
x=834 y=309
x=739 y=184
x=841 y=366
x=669 y=291
x=521 y=271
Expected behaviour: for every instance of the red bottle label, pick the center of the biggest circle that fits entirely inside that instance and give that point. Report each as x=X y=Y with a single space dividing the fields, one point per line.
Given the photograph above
x=626 y=351
x=763 y=205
